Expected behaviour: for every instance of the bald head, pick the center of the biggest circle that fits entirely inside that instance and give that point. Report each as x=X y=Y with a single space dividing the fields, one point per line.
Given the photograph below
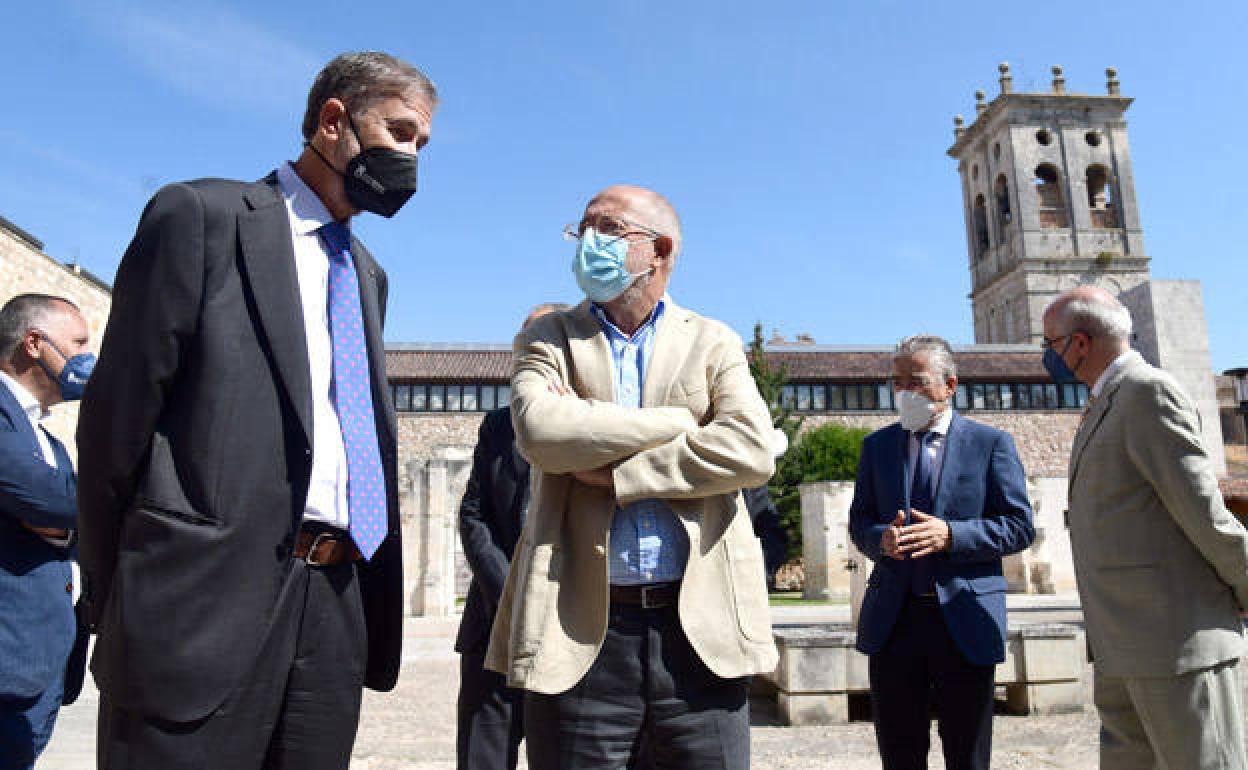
x=645 y=207
x=1092 y=310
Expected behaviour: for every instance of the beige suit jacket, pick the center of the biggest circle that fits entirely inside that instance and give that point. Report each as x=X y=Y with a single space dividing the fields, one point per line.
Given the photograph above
x=1162 y=566
x=702 y=435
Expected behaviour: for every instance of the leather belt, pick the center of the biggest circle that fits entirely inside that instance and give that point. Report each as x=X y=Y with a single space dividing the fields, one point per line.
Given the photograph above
x=325 y=548
x=647 y=597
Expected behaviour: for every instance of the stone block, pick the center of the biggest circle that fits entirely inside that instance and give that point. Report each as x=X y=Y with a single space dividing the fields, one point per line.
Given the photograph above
x=1027 y=699
x=800 y=709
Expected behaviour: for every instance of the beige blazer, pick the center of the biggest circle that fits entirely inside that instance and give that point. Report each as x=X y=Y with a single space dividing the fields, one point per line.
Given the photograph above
x=702 y=435
x=1162 y=565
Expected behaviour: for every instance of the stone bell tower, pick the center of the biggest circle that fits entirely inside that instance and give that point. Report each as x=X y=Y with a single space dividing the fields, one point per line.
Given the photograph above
x=1049 y=201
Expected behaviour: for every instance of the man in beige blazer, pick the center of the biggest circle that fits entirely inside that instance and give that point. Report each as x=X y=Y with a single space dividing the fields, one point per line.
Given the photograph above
x=1162 y=566
x=636 y=605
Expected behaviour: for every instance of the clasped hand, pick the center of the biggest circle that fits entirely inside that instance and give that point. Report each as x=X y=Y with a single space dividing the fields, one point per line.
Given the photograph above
x=925 y=536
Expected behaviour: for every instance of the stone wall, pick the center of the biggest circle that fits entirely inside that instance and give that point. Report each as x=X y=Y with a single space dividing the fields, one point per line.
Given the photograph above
x=1043 y=438
x=24 y=269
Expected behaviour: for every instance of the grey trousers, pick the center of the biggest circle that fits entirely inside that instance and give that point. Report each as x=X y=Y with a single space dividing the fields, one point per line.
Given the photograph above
x=1186 y=722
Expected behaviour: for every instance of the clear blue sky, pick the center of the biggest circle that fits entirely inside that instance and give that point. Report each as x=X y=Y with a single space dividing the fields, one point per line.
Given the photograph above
x=803 y=143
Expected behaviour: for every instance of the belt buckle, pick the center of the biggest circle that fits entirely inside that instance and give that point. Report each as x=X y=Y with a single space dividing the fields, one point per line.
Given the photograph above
x=645 y=597
x=310 y=559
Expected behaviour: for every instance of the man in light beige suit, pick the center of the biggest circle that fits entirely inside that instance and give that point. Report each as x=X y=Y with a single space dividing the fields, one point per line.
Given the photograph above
x=1162 y=565
x=636 y=606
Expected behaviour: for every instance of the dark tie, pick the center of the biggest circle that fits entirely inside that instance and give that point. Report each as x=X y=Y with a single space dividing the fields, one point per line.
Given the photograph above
x=366 y=490
x=921 y=500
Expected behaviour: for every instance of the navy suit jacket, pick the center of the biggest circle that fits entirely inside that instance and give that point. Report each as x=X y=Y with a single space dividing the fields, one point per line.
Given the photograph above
x=491 y=516
x=37 y=624
x=982 y=494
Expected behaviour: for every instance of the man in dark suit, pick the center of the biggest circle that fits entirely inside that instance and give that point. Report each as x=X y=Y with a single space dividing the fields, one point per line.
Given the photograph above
x=43 y=342
x=238 y=495
x=491 y=515
x=939 y=500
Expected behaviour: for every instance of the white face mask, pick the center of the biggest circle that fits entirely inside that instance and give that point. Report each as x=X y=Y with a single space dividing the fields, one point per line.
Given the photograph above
x=916 y=410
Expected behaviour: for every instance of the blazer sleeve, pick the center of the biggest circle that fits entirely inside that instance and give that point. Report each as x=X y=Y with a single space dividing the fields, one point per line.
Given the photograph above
x=31 y=490
x=1005 y=526
x=1165 y=447
x=564 y=434
x=865 y=527
x=729 y=453
x=488 y=561
x=155 y=310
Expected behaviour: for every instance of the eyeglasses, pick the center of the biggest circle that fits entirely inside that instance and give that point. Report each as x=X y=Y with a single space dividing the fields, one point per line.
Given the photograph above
x=1051 y=344
x=609 y=226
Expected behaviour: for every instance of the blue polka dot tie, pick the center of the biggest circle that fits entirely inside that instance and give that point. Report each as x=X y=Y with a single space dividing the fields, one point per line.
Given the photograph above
x=353 y=397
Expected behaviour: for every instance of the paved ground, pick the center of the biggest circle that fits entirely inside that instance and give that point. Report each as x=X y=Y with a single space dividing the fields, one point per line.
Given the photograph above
x=413 y=728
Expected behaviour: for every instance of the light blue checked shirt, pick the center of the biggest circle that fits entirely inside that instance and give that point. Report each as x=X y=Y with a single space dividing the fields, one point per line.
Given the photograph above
x=648 y=543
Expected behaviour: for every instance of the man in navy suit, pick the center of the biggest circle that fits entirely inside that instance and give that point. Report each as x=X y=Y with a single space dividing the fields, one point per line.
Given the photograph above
x=938 y=501
x=43 y=340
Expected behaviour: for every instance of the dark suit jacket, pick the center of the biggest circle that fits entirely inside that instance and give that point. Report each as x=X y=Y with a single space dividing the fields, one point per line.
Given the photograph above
x=37 y=623
x=491 y=516
x=982 y=494
x=768 y=529
x=195 y=447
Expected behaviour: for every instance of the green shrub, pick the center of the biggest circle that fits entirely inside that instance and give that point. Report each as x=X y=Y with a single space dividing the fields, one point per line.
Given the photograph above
x=827 y=453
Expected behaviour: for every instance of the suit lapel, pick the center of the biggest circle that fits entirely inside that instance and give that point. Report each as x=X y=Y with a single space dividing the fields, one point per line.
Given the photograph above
x=1093 y=419
x=672 y=342
x=17 y=416
x=366 y=275
x=268 y=261
x=953 y=447
x=590 y=355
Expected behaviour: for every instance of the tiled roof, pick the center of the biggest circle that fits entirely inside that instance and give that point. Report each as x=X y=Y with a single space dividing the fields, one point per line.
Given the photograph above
x=493 y=363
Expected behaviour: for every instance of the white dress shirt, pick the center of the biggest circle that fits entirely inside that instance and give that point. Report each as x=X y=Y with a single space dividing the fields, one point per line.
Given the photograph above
x=327 y=488
x=935 y=449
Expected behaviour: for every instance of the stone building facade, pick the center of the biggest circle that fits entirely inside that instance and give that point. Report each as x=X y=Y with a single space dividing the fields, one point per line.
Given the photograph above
x=25 y=268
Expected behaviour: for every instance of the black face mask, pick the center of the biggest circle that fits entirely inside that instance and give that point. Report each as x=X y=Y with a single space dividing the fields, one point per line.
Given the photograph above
x=378 y=179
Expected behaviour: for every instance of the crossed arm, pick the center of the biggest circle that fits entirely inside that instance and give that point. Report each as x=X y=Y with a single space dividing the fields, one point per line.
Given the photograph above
x=652 y=452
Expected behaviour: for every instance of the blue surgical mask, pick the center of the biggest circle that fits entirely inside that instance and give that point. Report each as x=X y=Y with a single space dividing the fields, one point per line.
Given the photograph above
x=1057 y=368
x=74 y=375
x=599 y=266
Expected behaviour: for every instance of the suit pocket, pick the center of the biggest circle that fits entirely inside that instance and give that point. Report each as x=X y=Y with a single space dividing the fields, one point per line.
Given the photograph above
x=749 y=588
x=693 y=395
x=987 y=584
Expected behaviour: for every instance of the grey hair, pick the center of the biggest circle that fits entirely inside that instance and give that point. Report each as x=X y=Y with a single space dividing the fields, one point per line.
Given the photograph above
x=25 y=312
x=1096 y=315
x=657 y=212
x=360 y=80
x=937 y=349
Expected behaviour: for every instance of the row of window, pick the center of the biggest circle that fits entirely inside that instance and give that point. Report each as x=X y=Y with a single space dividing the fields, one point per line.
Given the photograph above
x=466 y=397
x=878 y=397
x=815 y=397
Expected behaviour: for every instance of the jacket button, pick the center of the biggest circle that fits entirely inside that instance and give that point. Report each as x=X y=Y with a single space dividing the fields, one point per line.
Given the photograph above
x=69 y=588
x=600 y=550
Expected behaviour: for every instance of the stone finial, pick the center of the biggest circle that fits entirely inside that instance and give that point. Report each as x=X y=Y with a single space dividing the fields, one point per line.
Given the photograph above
x=980 y=104
x=1112 y=85
x=1006 y=81
x=959 y=126
x=1059 y=80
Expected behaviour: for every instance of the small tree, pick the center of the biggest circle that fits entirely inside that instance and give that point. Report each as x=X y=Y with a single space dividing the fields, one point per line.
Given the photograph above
x=770 y=381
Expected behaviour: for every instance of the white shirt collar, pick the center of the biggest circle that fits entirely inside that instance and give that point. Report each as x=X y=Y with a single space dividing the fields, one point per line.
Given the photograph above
x=1110 y=371
x=25 y=399
x=941 y=424
x=307 y=213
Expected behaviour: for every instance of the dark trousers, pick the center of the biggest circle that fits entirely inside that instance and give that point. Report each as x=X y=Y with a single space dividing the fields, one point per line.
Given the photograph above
x=921 y=667
x=298 y=708
x=647 y=683
x=490 y=718
x=26 y=727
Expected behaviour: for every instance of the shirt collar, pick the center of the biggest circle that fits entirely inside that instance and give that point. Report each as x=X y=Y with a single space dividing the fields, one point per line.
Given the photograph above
x=25 y=399
x=613 y=331
x=307 y=213
x=941 y=426
x=1110 y=371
